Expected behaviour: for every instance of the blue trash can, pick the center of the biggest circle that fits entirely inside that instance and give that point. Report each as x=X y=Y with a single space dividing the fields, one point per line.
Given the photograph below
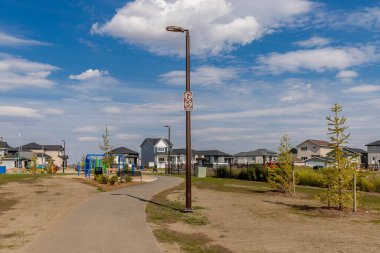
x=3 y=169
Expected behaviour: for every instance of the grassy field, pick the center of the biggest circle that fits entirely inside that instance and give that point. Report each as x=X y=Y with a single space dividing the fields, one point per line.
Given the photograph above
x=6 y=178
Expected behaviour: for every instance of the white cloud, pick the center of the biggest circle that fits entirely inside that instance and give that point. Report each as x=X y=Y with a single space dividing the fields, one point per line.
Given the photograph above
x=88 y=139
x=314 y=42
x=127 y=137
x=12 y=41
x=216 y=26
x=318 y=60
x=112 y=110
x=16 y=73
x=16 y=111
x=347 y=74
x=368 y=18
x=363 y=89
x=203 y=76
x=297 y=91
x=53 y=111
x=87 y=129
x=90 y=73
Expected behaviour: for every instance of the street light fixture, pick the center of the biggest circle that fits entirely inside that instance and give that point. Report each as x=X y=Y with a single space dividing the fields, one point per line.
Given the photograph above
x=64 y=156
x=188 y=107
x=169 y=152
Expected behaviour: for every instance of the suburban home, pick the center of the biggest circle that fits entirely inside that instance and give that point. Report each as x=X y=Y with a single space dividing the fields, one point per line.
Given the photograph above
x=130 y=156
x=45 y=151
x=258 y=156
x=357 y=156
x=374 y=154
x=216 y=158
x=155 y=151
x=313 y=148
x=179 y=157
x=317 y=162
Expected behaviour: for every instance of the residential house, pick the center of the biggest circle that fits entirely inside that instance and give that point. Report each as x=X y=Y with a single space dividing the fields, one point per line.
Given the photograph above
x=357 y=156
x=179 y=157
x=313 y=148
x=130 y=156
x=216 y=158
x=317 y=162
x=155 y=151
x=258 y=156
x=374 y=154
x=45 y=151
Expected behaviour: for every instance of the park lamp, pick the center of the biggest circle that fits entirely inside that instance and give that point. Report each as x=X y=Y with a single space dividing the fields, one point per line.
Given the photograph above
x=175 y=29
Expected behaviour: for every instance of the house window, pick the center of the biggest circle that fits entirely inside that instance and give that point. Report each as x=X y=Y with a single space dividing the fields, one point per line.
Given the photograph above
x=315 y=156
x=161 y=159
x=373 y=147
x=304 y=158
x=303 y=148
x=160 y=149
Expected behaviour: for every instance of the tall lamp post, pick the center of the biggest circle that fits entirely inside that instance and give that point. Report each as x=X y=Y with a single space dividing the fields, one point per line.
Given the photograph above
x=169 y=152
x=64 y=156
x=188 y=106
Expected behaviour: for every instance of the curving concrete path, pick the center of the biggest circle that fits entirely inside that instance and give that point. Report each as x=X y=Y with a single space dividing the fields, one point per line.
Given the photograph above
x=112 y=222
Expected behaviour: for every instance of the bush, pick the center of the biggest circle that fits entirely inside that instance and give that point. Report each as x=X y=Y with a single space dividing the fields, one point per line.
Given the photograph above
x=308 y=176
x=369 y=182
x=222 y=172
x=113 y=179
x=128 y=178
x=102 y=179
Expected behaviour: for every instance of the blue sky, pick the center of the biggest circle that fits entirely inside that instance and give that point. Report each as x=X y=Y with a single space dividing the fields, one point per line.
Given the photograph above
x=260 y=69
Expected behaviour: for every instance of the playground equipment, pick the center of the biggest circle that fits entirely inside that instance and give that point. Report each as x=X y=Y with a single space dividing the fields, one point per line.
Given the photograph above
x=94 y=162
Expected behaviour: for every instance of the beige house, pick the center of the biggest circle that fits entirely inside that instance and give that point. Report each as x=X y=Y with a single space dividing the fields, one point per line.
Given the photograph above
x=45 y=151
x=313 y=148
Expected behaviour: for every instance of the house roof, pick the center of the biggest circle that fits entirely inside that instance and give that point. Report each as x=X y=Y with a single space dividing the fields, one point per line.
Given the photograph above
x=257 y=152
x=213 y=153
x=33 y=145
x=321 y=159
x=4 y=144
x=356 y=150
x=124 y=151
x=317 y=142
x=181 y=151
x=154 y=141
x=376 y=143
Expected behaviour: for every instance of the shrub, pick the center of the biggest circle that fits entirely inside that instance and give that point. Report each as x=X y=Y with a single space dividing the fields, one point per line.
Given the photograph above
x=222 y=172
x=128 y=178
x=102 y=179
x=308 y=176
x=369 y=182
x=113 y=179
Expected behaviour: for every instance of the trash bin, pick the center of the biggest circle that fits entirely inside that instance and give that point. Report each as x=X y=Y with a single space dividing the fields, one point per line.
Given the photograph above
x=3 y=169
x=202 y=172
x=98 y=170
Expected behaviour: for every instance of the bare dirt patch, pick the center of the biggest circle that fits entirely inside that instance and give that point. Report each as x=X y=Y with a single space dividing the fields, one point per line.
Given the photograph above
x=29 y=207
x=272 y=222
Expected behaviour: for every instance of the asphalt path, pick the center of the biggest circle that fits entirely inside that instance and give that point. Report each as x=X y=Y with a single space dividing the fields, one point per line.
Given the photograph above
x=111 y=222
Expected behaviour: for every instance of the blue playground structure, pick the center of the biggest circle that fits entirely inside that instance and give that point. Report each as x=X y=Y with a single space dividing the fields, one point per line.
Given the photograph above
x=94 y=162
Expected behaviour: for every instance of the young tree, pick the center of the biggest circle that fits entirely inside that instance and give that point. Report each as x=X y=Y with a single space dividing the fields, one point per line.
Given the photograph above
x=108 y=159
x=50 y=166
x=281 y=175
x=33 y=166
x=339 y=171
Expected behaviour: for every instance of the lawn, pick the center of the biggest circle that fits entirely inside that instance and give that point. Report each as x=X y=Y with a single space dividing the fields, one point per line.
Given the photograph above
x=6 y=178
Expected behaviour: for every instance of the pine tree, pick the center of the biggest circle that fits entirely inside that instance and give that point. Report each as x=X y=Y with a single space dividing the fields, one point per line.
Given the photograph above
x=339 y=170
x=108 y=159
x=281 y=175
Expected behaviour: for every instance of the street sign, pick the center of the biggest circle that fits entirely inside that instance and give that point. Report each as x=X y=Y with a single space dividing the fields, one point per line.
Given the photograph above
x=188 y=101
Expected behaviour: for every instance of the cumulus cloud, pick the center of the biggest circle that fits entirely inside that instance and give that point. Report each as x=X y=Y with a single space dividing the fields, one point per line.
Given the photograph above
x=363 y=89
x=297 y=91
x=216 y=25
x=12 y=41
x=367 y=18
x=88 y=74
x=347 y=74
x=16 y=111
x=314 y=42
x=203 y=76
x=16 y=73
x=318 y=60
x=112 y=110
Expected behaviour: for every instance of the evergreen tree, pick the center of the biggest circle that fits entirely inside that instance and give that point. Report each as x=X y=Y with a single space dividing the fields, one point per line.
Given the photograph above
x=280 y=176
x=339 y=170
x=106 y=147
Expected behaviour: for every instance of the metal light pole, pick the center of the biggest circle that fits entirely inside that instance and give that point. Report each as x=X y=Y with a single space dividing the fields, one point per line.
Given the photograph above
x=188 y=106
x=64 y=156
x=169 y=152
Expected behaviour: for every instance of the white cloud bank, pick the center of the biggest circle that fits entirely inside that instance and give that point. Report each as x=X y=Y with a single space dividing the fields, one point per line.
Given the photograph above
x=215 y=25
x=90 y=73
x=318 y=60
x=12 y=41
x=314 y=42
x=363 y=89
x=16 y=73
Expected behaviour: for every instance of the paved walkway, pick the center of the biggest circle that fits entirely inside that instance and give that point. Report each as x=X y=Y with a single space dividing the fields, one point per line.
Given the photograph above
x=112 y=222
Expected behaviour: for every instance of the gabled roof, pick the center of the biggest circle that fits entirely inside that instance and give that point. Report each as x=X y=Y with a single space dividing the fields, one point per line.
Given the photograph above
x=356 y=150
x=376 y=143
x=154 y=141
x=317 y=142
x=33 y=145
x=181 y=151
x=213 y=153
x=257 y=152
x=123 y=151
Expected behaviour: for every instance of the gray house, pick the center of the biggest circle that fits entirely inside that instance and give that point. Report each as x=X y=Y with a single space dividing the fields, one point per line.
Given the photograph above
x=258 y=156
x=374 y=154
x=215 y=158
x=154 y=152
x=130 y=156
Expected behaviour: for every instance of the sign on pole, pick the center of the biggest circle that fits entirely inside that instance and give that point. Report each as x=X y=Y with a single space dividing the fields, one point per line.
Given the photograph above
x=188 y=101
